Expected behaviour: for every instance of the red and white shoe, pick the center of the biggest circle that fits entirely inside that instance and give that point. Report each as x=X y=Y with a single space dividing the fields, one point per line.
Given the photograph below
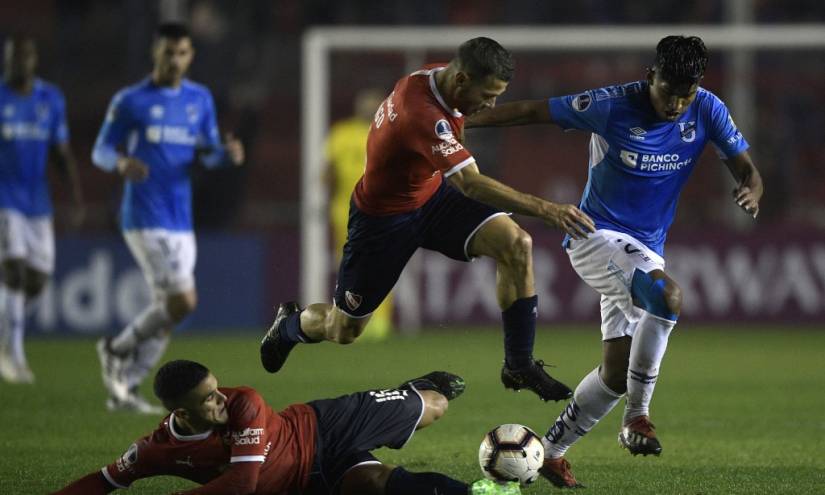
x=639 y=437
x=557 y=472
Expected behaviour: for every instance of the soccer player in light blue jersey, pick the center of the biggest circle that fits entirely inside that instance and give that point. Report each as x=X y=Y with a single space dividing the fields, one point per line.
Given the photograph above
x=154 y=132
x=32 y=130
x=646 y=137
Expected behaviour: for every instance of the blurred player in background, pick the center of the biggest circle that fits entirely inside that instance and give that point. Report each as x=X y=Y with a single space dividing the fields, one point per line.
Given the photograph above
x=32 y=128
x=346 y=151
x=646 y=138
x=422 y=188
x=154 y=132
x=231 y=441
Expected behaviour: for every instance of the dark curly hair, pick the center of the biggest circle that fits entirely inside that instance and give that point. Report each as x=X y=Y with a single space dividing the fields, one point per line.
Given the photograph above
x=481 y=57
x=681 y=59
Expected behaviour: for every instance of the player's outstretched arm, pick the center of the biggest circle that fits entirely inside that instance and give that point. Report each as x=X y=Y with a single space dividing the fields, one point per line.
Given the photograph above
x=240 y=478
x=749 y=188
x=91 y=484
x=513 y=113
x=567 y=218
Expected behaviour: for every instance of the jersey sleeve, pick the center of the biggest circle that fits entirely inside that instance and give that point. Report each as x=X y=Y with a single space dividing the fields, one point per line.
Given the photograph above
x=116 y=126
x=60 y=128
x=209 y=139
x=584 y=111
x=139 y=461
x=723 y=133
x=247 y=428
x=433 y=137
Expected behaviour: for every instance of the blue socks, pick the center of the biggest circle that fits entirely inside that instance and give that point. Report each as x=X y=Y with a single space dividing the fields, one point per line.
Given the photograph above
x=292 y=332
x=403 y=482
x=520 y=331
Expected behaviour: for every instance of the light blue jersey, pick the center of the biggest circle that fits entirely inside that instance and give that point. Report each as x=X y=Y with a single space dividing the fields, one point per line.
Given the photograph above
x=638 y=162
x=166 y=128
x=29 y=126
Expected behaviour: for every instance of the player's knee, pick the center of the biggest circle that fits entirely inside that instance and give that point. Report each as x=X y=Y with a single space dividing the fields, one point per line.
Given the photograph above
x=179 y=306
x=615 y=378
x=34 y=283
x=519 y=249
x=14 y=274
x=436 y=404
x=659 y=296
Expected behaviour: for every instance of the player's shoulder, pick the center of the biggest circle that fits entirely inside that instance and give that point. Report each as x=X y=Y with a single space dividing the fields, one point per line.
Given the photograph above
x=195 y=88
x=242 y=394
x=708 y=101
x=133 y=92
x=48 y=89
x=628 y=92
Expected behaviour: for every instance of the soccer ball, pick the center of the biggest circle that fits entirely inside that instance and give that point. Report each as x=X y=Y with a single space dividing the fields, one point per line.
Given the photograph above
x=511 y=452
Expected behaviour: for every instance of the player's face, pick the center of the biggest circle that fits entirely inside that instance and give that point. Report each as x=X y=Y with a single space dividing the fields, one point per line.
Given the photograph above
x=205 y=404
x=472 y=95
x=172 y=58
x=670 y=100
x=20 y=58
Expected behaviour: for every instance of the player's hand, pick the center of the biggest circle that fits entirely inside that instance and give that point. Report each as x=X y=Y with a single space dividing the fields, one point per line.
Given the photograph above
x=132 y=169
x=747 y=199
x=570 y=220
x=234 y=149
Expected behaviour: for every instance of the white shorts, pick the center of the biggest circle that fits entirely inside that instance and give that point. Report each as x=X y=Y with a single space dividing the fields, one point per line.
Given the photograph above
x=166 y=257
x=606 y=261
x=28 y=238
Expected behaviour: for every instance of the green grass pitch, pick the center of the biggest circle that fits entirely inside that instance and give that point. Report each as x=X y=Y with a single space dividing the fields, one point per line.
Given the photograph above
x=737 y=411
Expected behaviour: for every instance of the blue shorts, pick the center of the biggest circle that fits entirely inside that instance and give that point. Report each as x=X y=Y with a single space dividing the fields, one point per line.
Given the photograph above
x=378 y=248
x=350 y=426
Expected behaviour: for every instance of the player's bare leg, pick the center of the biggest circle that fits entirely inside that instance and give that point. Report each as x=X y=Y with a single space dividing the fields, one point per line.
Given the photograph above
x=14 y=367
x=501 y=239
x=661 y=299
x=316 y=323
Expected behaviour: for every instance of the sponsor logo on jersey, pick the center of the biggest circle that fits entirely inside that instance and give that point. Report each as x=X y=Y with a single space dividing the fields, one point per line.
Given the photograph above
x=249 y=436
x=388 y=395
x=582 y=102
x=192 y=113
x=687 y=130
x=637 y=133
x=185 y=462
x=156 y=112
x=24 y=131
x=128 y=459
x=666 y=162
x=353 y=300
x=447 y=148
x=170 y=134
x=443 y=130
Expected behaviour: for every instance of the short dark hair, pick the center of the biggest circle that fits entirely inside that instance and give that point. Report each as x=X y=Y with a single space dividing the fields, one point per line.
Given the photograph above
x=176 y=378
x=481 y=57
x=172 y=31
x=681 y=59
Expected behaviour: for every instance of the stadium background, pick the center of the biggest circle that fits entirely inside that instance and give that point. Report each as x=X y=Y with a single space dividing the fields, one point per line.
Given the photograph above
x=249 y=53
x=738 y=275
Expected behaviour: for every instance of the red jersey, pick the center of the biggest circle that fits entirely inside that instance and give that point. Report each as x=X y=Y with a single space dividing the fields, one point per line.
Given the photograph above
x=283 y=442
x=411 y=145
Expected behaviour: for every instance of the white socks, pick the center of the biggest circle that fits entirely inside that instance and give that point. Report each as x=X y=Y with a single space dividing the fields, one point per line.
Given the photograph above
x=12 y=320
x=592 y=400
x=147 y=355
x=147 y=324
x=646 y=353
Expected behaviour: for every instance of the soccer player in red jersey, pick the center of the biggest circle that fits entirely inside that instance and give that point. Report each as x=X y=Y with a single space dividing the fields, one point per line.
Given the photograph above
x=422 y=188
x=231 y=442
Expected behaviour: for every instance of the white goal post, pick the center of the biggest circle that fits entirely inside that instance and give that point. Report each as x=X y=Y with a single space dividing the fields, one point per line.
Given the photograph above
x=319 y=43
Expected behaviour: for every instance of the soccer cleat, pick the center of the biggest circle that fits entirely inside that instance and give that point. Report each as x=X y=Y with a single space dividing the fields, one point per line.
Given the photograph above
x=112 y=368
x=557 y=472
x=639 y=437
x=490 y=487
x=447 y=384
x=134 y=402
x=533 y=377
x=274 y=347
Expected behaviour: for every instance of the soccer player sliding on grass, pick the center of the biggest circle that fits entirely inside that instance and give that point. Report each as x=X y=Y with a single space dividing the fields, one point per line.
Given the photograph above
x=422 y=189
x=646 y=138
x=232 y=442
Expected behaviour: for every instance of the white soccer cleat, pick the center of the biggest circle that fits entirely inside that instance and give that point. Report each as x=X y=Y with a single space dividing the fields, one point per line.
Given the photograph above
x=112 y=369
x=134 y=403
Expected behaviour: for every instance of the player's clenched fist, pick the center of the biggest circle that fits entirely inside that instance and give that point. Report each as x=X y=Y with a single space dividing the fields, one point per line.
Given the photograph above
x=748 y=199
x=132 y=168
x=569 y=219
x=234 y=149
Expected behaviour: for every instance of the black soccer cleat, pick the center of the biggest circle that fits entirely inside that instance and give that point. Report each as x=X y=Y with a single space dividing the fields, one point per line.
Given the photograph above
x=274 y=348
x=533 y=377
x=447 y=384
